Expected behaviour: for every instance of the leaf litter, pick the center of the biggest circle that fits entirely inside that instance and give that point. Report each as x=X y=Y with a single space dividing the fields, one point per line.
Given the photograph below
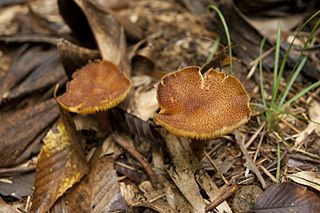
x=148 y=39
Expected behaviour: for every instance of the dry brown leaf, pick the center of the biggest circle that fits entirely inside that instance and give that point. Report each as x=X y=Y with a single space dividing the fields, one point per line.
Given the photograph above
x=314 y=114
x=307 y=178
x=19 y=129
x=287 y=197
x=19 y=186
x=74 y=57
x=144 y=103
x=45 y=76
x=61 y=164
x=108 y=34
x=99 y=191
x=24 y=62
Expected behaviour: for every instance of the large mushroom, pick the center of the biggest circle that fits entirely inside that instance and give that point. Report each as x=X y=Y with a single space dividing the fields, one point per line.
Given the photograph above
x=199 y=106
x=96 y=87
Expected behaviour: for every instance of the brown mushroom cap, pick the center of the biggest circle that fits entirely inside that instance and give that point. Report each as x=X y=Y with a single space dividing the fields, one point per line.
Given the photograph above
x=97 y=86
x=202 y=107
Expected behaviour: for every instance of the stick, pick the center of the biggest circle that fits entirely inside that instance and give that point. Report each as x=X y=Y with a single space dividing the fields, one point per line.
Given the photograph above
x=124 y=142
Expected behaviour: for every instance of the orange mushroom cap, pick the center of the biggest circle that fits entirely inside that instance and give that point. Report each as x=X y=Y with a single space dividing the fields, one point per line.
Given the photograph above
x=201 y=107
x=98 y=86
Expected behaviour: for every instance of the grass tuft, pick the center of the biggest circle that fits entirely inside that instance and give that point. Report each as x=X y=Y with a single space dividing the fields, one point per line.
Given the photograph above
x=278 y=104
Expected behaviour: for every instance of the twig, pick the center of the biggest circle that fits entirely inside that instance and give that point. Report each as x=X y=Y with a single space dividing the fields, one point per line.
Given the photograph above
x=268 y=174
x=157 y=198
x=259 y=146
x=16 y=170
x=227 y=192
x=251 y=164
x=126 y=145
x=307 y=153
x=216 y=167
x=254 y=136
x=290 y=125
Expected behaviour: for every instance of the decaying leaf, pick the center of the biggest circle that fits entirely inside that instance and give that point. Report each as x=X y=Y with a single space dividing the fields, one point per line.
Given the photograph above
x=99 y=191
x=143 y=103
x=314 y=113
x=22 y=65
x=61 y=163
x=76 y=21
x=108 y=34
x=46 y=75
x=19 y=186
x=307 y=178
x=74 y=57
x=19 y=129
x=136 y=126
x=287 y=197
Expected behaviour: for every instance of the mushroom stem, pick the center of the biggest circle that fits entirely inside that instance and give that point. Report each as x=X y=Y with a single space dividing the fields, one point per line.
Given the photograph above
x=198 y=147
x=103 y=121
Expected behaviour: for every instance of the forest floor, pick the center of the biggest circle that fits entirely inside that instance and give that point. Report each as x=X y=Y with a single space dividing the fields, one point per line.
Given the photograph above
x=123 y=159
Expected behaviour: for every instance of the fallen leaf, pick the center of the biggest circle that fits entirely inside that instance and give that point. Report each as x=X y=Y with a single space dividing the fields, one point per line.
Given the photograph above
x=99 y=191
x=24 y=62
x=46 y=75
x=108 y=34
x=136 y=126
x=20 y=186
x=287 y=197
x=307 y=178
x=314 y=114
x=74 y=57
x=19 y=129
x=61 y=164
x=144 y=103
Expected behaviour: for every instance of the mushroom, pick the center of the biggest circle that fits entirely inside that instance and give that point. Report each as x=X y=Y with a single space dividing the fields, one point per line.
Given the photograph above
x=96 y=87
x=199 y=106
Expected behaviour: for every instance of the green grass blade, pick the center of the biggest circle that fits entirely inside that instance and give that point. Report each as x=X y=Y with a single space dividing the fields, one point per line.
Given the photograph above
x=285 y=58
x=300 y=94
x=292 y=79
x=225 y=26
x=262 y=90
x=213 y=49
x=276 y=77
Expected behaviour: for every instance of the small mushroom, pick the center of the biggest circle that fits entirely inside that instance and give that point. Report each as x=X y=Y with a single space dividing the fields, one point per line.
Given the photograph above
x=200 y=106
x=96 y=87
